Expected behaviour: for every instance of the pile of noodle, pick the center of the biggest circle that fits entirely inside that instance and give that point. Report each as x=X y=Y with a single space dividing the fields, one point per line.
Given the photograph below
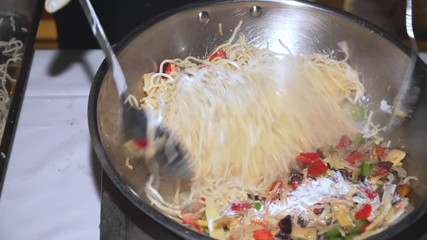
x=243 y=119
x=11 y=51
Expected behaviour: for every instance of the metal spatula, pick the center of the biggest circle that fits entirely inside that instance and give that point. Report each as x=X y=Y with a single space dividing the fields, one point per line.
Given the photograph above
x=167 y=154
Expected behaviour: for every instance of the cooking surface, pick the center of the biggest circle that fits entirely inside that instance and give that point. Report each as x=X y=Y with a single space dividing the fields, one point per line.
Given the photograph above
x=52 y=188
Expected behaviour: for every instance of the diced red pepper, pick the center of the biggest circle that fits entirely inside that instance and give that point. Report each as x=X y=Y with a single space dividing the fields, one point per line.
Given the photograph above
x=381 y=171
x=276 y=185
x=141 y=143
x=258 y=222
x=379 y=151
x=317 y=210
x=167 y=68
x=343 y=142
x=240 y=206
x=303 y=160
x=369 y=193
x=262 y=235
x=311 y=155
x=317 y=168
x=218 y=54
x=353 y=157
x=364 y=212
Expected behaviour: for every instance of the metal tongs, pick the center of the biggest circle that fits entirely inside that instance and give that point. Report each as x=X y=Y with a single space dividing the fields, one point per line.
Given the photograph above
x=407 y=94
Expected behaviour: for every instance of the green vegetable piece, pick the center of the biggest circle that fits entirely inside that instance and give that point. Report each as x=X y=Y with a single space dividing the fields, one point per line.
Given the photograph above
x=357 y=140
x=257 y=205
x=365 y=169
x=326 y=149
x=349 y=237
x=358 y=113
x=333 y=233
x=357 y=228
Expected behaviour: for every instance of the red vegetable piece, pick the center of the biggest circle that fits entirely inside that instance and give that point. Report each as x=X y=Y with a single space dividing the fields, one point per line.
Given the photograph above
x=311 y=155
x=317 y=168
x=276 y=185
x=262 y=235
x=343 y=142
x=303 y=160
x=364 y=212
x=240 y=206
x=369 y=193
x=381 y=171
x=167 y=68
x=218 y=54
x=379 y=151
x=353 y=157
x=141 y=143
x=317 y=210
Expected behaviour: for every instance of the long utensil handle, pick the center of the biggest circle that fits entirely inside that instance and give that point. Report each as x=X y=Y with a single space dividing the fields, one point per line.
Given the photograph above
x=100 y=36
x=404 y=98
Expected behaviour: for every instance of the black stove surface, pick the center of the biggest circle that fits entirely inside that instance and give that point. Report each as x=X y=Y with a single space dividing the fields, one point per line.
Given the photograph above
x=121 y=220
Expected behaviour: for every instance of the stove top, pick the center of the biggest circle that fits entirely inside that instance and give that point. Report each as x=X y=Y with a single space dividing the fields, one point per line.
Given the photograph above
x=120 y=219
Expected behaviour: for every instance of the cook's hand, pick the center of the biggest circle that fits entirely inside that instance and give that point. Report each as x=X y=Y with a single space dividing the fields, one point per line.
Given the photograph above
x=52 y=6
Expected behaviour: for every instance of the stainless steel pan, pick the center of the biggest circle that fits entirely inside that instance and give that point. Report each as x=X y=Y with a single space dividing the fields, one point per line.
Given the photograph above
x=304 y=28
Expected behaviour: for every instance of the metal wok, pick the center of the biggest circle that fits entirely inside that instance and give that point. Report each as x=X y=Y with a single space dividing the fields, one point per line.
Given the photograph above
x=303 y=28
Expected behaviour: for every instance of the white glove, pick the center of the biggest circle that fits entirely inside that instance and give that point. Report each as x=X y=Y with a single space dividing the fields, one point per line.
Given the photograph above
x=52 y=6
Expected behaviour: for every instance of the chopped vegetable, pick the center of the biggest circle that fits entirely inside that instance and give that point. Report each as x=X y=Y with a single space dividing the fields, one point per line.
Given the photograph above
x=358 y=113
x=317 y=168
x=359 y=227
x=285 y=225
x=257 y=205
x=276 y=185
x=167 y=68
x=353 y=157
x=333 y=233
x=262 y=235
x=364 y=198
x=344 y=219
x=239 y=206
x=202 y=223
x=303 y=160
x=326 y=149
x=395 y=156
x=369 y=193
x=403 y=190
x=318 y=210
x=357 y=140
x=365 y=169
x=343 y=142
x=381 y=171
x=379 y=151
x=304 y=233
x=364 y=212
x=311 y=155
x=218 y=54
x=211 y=215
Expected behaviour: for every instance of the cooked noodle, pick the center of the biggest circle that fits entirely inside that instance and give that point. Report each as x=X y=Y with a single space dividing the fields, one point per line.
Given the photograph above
x=243 y=118
x=11 y=51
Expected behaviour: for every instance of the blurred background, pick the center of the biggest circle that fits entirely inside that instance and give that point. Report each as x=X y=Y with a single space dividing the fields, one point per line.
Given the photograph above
x=57 y=31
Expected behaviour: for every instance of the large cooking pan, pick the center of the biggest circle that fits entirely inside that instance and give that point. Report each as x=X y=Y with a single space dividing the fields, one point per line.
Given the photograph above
x=304 y=28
